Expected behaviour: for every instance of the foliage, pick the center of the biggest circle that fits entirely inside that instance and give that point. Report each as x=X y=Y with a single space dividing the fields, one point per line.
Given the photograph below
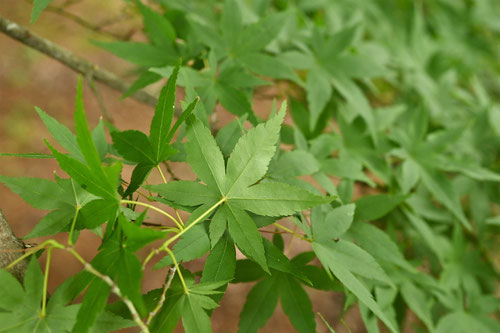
x=398 y=99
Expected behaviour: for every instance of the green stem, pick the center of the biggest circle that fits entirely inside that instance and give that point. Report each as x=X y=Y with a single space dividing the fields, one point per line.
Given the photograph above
x=179 y=234
x=51 y=242
x=161 y=211
x=200 y=218
x=46 y=281
x=161 y=174
x=70 y=237
x=293 y=233
x=186 y=290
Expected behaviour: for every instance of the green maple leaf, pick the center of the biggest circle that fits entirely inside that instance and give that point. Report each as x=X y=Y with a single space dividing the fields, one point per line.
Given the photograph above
x=285 y=284
x=22 y=306
x=235 y=42
x=238 y=184
x=192 y=306
x=330 y=65
x=227 y=84
x=148 y=152
x=346 y=260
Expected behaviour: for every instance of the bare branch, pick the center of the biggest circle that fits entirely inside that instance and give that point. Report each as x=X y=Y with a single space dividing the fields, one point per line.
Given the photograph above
x=78 y=64
x=11 y=248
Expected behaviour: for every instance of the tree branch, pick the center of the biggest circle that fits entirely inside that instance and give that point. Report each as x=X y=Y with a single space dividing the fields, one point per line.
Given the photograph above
x=78 y=64
x=11 y=248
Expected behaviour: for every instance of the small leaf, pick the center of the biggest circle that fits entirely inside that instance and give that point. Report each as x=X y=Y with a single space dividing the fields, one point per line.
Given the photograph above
x=97 y=212
x=229 y=135
x=217 y=226
x=100 y=141
x=293 y=164
x=278 y=261
x=158 y=28
x=344 y=253
x=38 y=7
x=140 y=173
x=166 y=320
x=442 y=189
x=252 y=154
x=353 y=284
x=134 y=146
x=275 y=199
x=83 y=134
x=193 y=244
x=297 y=305
x=109 y=322
x=194 y=318
x=138 y=237
x=11 y=293
x=162 y=120
x=334 y=224
x=245 y=234
x=61 y=134
x=139 y=53
x=379 y=244
x=188 y=193
x=221 y=262
x=144 y=80
x=319 y=90
x=38 y=192
x=373 y=207
x=93 y=303
x=129 y=277
x=235 y=101
x=184 y=116
x=97 y=184
x=259 y=306
x=52 y=223
x=204 y=155
x=418 y=302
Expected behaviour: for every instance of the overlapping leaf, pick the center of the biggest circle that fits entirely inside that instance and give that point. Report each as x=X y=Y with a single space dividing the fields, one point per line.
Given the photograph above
x=246 y=165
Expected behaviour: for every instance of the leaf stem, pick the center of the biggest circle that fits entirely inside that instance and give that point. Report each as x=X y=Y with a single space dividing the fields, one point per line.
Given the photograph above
x=290 y=231
x=288 y=246
x=165 y=181
x=46 y=282
x=179 y=234
x=70 y=237
x=51 y=242
x=161 y=174
x=171 y=254
x=161 y=211
x=200 y=218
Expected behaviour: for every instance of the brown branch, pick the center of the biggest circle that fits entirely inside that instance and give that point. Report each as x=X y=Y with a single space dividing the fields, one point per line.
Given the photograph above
x=78 y=64
x=88 y=25
x=11 y=248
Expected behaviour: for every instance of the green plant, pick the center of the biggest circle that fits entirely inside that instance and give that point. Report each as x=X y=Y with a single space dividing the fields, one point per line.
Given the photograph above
x=380 y=109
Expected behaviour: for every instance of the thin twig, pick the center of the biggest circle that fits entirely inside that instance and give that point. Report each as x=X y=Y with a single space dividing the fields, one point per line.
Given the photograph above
x=78 y=64
x=170 y=171
x=80 y=21
x=100 y=100
x=170 y=277
x=68 y=3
